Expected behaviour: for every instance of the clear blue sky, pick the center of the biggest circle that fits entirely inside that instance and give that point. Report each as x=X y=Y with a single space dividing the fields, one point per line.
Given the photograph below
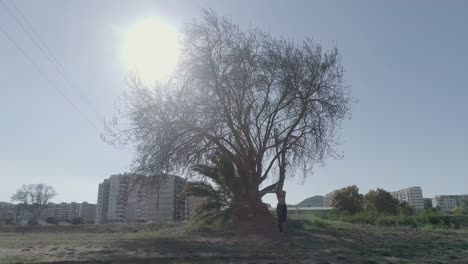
x=407 y=62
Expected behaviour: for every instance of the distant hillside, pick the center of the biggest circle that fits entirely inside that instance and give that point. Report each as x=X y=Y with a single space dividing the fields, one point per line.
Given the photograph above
x=314 y=201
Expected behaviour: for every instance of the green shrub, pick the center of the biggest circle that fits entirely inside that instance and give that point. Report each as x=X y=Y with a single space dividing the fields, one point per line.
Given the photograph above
x=32 y=222
x=52 y=220
x=77 y=221
x=460 y=211
x=424 y=219
x=10 y=221
x=348 y=200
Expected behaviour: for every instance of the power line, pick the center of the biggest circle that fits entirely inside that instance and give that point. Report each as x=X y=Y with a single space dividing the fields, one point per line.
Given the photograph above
x=49 y=55
x=45 y=77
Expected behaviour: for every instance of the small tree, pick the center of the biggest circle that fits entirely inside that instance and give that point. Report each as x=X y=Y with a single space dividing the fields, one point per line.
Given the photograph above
x=32 y=222
x=381 y=201
x=33 y=198
x=404 y=208
x=52 y=220
x=9 y=221
x=348 y=200
x=77 y=221
x=220 y=187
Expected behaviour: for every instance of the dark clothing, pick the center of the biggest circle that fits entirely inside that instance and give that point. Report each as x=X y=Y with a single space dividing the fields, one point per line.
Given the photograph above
x=282 y=213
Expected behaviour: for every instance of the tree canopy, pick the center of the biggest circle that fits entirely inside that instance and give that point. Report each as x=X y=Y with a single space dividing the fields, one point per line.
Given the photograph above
x=34 y=194
x=381 y=201
x=34 y=197
x=270 y=105
x=348 y=200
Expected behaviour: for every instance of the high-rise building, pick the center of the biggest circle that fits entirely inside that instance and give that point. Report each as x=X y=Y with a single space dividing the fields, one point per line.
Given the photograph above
x=412 y=195
x=328 y=199
x=102 y=202
x=447 y=203
x=124 y=199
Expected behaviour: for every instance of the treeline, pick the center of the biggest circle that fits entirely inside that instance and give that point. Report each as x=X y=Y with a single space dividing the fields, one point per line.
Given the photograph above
x=379 y=207
x=348 y=200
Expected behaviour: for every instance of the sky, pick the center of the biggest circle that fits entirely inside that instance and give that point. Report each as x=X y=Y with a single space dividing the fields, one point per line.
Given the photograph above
x=406 y=62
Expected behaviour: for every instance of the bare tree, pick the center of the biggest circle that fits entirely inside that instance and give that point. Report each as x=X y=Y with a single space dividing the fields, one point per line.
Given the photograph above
x=34 y=197
x=270 y=105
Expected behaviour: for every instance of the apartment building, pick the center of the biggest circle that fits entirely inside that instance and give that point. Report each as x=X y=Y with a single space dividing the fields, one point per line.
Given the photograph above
x=87 y=211
x=447 y=203
x=328 y=199
x=61 y=212
x=102 y=202
x=412 y=195
x=7 y=212
x=128 y=198
x=68 y=211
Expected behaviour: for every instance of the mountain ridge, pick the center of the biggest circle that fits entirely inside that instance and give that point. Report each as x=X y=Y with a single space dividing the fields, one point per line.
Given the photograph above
x=314 y=201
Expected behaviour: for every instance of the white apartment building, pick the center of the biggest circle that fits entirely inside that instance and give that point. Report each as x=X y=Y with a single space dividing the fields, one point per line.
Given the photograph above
x=447 y=203
x=412 y=195
x=61 y=212
x=87 y=211
x=102 y=202
x=123 y=199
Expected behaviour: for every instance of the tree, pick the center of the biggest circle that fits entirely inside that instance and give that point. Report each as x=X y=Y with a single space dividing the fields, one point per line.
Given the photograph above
x=77 y=221
x=9 y=221
x=348 y=200
x=52 y=220
x=381 y=201
x=33 y=198
x=404 y=208
x=32 y=222
x=269 y=105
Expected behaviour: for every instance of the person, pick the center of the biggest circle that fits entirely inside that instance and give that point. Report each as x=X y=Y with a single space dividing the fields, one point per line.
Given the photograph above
x=281 y=210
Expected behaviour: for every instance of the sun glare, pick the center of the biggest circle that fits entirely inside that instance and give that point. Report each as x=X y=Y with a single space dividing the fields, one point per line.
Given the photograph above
x=151 y=49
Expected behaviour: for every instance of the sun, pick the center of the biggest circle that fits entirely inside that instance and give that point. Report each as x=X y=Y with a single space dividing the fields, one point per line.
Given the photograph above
x=151 y=49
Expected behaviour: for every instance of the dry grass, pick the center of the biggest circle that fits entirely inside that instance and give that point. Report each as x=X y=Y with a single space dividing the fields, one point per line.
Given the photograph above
x=312 y=241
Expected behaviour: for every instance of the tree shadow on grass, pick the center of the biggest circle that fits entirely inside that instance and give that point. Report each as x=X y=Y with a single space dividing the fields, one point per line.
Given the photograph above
x=168 y=245
x=179 y=250
x=194 y=249
x=276 y=246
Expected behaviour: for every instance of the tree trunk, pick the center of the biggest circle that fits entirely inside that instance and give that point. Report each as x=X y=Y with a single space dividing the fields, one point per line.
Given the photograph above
x=251 y=215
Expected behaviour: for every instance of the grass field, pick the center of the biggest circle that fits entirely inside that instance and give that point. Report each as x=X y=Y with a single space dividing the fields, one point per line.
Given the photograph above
x=311 y=241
